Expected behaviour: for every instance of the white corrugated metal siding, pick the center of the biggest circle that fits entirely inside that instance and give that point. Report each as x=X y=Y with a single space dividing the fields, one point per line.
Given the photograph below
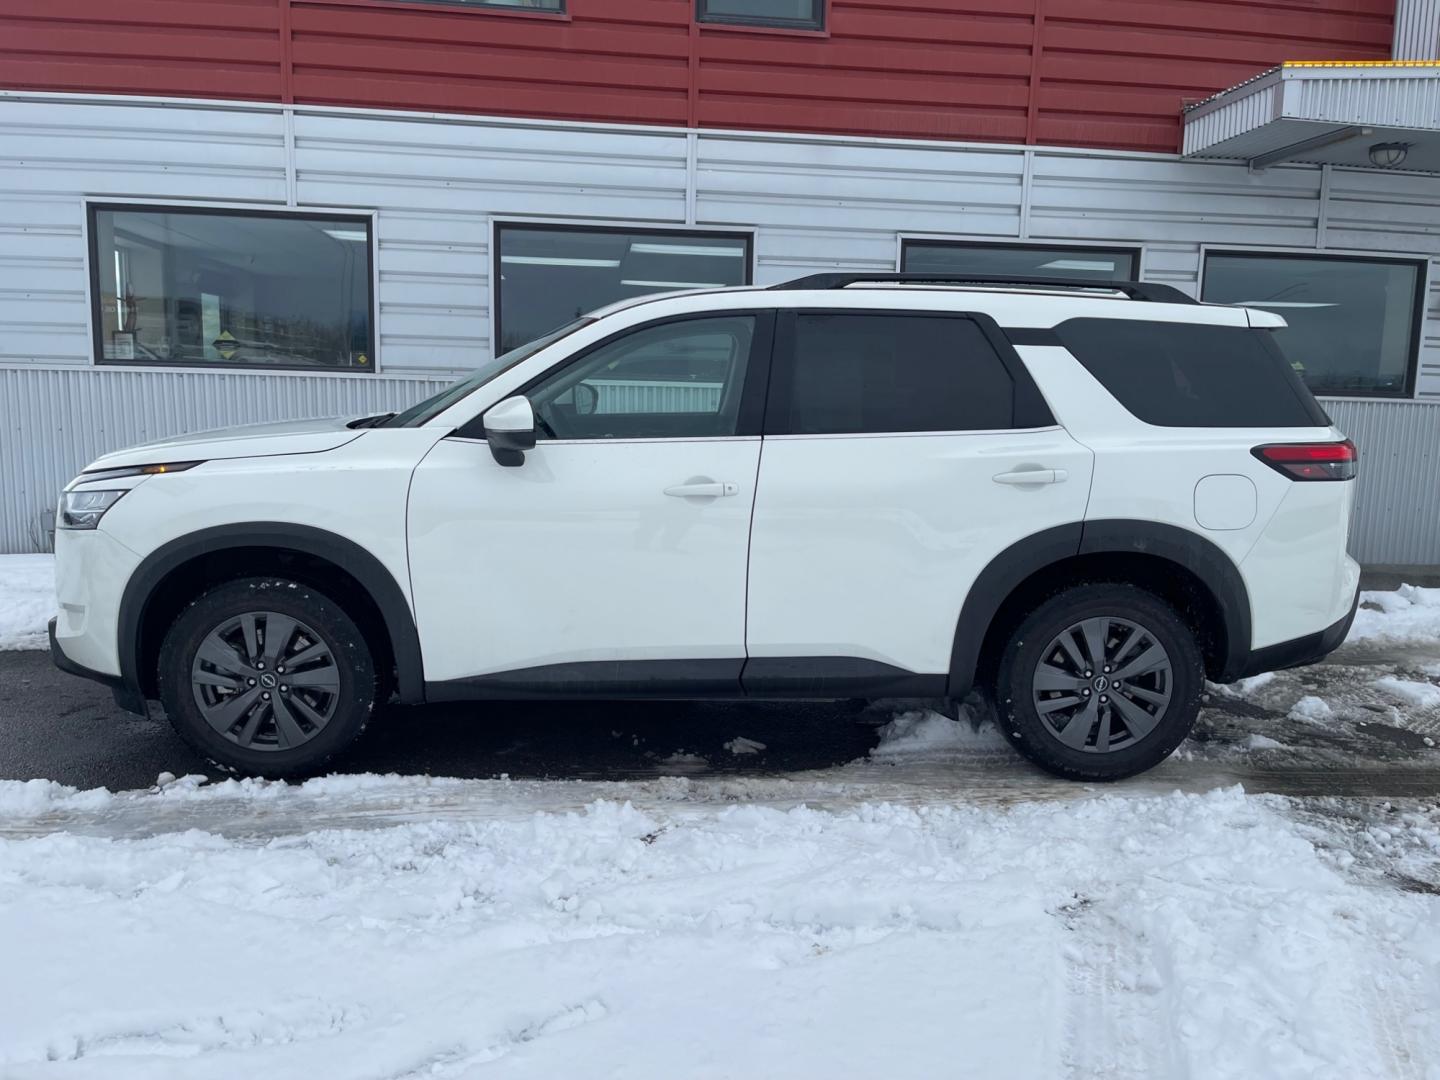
x=1397 y=513
x=1417 y=30
x=437 y=185
x=56 y=420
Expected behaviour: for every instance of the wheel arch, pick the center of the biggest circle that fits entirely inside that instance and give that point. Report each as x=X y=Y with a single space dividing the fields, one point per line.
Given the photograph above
x=184 y=562
x=1184 y=567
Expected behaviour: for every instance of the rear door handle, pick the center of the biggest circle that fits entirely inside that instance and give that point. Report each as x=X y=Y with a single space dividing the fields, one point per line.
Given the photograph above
x=702 y=489
x=1032 y=476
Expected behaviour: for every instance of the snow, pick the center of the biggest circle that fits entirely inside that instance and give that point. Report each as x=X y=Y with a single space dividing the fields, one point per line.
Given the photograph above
x=923 y=732
x=741 y=746
x=27 y=600
x=1423 y=695
x=1311 y=708
x=1410 y=613
x=1215 y=935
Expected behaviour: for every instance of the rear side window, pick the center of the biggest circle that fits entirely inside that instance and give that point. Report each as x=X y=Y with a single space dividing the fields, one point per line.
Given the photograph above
x=847 y=374
x=1189 y=375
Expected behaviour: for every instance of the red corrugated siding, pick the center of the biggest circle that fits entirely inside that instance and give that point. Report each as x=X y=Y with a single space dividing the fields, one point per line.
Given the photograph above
x=1110 y=73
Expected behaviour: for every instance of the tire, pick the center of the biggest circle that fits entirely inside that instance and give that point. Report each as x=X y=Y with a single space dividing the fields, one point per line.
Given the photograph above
x=1042 y=686
x=223 y=647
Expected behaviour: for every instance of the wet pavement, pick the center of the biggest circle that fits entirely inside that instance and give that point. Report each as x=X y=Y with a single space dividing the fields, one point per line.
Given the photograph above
x=1369 y=742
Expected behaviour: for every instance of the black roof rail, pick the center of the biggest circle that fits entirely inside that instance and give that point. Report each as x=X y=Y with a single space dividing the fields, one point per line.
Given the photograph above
x=1135 y=290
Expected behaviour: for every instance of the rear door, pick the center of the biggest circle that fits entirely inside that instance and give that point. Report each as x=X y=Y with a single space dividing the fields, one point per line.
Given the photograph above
x=903 y=451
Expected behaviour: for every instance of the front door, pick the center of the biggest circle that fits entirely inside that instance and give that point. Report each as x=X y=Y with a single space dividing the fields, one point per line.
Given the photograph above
x=903 y=452
x=614 y=557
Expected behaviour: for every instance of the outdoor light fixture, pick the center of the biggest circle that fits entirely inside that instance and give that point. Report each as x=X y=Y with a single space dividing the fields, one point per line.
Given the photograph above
x=1386 y=155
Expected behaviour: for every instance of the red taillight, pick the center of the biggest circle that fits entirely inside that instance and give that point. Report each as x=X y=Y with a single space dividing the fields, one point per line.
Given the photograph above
x=1312 y=461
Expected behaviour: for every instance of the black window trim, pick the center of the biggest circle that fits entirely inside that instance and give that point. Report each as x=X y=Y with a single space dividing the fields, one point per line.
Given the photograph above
x=749 y=421
x=499 y=225
x=1136 y=251
x=97 y=327
x=1417 y=313
x=818 y=24
x=1029 y=410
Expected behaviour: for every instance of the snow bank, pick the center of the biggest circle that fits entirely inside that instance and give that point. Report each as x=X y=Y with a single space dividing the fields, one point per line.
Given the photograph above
x=1184 y=936
x=1410 y=613
x=27 y=600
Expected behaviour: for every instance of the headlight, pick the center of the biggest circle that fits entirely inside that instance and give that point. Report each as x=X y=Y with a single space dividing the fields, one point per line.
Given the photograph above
x=84 y=509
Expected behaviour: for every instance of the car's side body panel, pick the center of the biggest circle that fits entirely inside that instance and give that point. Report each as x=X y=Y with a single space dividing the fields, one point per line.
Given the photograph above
x=866 y=545
x=580 y=555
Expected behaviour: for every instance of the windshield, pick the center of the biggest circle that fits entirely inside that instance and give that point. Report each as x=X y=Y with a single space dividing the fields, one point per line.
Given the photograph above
x=432 y=407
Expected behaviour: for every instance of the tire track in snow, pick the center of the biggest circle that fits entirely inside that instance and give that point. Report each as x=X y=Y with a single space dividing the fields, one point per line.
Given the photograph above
x=1116 y=1024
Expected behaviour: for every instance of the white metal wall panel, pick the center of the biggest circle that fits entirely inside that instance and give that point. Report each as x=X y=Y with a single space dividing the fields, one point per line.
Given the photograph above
x=1397 y=516
x=1112 y=197
x=438 y=184
x=55 y=420
x=821 y=204
x=1417 y=30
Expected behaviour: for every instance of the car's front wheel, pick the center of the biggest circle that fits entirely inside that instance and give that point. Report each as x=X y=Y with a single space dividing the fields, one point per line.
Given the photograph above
x=1099 y=682
x=267 y=676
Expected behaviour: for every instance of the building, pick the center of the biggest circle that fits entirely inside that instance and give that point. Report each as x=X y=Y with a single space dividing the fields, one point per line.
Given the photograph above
x=224 y=212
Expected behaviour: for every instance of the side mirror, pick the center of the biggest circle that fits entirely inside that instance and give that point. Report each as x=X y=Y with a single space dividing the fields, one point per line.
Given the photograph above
x=510 y=430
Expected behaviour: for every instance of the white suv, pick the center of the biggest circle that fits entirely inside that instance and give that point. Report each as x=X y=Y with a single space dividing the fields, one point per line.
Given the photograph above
x=1083 y=497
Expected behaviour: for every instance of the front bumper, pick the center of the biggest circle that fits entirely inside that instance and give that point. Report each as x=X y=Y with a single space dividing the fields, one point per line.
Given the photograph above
x=1310 y=649
x=126 y=697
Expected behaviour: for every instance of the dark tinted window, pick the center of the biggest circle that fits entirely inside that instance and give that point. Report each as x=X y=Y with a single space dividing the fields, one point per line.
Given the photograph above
x=1019 y=260
x=550 y=275
x=795 y=14
x=882 y=373
x=209 y=288
x=1353 y=322
x=1185 y=375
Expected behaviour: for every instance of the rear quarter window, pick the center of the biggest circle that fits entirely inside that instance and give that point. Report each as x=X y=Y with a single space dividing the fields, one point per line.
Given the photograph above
x=1190 y=375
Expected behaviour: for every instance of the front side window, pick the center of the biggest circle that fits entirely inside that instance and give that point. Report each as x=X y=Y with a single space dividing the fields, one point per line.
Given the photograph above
x=888 y=373
x=1019 y=260
x=1353 y=323
x=672 y=380
x=217 y=288
x=795 y=14
x=550 y=275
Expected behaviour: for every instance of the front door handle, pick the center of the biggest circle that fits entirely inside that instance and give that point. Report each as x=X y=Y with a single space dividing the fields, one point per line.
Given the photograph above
x=1024 y=477
x=702 y=489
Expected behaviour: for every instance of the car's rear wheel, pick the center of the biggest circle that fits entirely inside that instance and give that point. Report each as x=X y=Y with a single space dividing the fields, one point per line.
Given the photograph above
x=267 y=677
x=1100 y=682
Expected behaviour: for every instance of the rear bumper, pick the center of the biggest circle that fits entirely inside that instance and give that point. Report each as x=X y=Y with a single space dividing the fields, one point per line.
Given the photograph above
x=127 y=697
x=1300 y=651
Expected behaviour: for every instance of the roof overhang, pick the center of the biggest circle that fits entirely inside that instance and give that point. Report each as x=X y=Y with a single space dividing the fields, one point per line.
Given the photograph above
x=1323 y=113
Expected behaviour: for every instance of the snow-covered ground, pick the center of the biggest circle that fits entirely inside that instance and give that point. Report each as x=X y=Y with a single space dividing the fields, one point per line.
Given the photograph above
x=27 y=600
x=684 y=933
x=933 y=909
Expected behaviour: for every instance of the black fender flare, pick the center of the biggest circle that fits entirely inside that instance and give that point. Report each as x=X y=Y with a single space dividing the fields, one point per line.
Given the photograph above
x=347 y=555
x=1004 y=573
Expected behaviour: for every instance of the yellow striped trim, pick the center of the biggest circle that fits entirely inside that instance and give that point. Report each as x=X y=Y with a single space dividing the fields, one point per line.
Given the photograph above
x=1361 y=63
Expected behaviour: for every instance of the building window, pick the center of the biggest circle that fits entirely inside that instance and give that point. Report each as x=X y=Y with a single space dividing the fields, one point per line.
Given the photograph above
x=549 y=7
x=549 y=275
x=237 y=288
x=788 y=14
x=1353 y=322
x=1019 y=260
